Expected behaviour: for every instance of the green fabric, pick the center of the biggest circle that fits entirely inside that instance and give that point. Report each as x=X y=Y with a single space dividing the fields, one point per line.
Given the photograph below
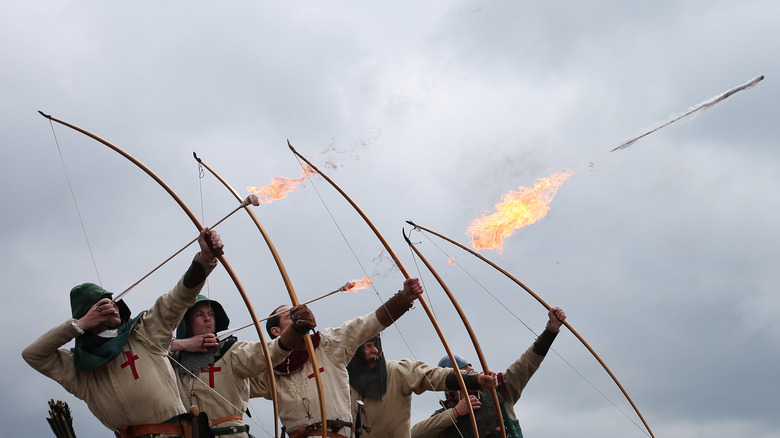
x=222 y=320
x=512 y=427
x=93 y=351
x=84 y=296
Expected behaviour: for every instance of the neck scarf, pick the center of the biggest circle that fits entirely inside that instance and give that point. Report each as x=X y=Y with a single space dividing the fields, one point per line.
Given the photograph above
x=296 y=359
x=93 y=351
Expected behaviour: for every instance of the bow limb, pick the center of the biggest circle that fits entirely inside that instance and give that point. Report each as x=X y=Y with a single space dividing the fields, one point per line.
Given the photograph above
x=472 y=336
x=548 y=307
x=405 y=273
x=182 y=204
x=293 y=299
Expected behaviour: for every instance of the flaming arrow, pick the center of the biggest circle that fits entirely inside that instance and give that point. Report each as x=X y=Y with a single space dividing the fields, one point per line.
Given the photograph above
x=547 y=306
x=699 y=107
x=351 y=285
x=293 y=298
x=190 y=214
x=405 y=273
x=466 y=323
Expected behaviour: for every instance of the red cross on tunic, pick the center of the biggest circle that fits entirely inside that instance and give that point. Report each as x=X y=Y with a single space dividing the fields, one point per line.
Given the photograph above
x=211 y=370
x=322 y=370
x=131 y=358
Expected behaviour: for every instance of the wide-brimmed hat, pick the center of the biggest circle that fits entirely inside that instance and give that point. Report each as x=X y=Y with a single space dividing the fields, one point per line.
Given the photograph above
x=220 y=317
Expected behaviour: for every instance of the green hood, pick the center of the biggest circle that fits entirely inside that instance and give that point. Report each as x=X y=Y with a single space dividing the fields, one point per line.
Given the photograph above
x=222 y=320
x=84 y=296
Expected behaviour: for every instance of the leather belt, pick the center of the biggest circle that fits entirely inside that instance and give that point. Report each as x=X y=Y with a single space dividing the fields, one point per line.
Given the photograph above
x=150 y=429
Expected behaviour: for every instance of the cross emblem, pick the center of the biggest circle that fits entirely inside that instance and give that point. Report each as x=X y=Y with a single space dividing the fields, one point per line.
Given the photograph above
x=322 y=370
x=211 y=370
x=131 y=358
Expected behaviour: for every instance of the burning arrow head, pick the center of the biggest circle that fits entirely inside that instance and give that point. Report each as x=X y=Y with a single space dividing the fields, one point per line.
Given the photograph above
x=356 y=285
x=251 y=199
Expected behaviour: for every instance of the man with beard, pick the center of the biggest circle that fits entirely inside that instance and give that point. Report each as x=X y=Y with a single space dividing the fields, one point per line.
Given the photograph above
x=452 y=420
x=119 y=366
x=214 y=373
x=297 y=398
x=382 y=389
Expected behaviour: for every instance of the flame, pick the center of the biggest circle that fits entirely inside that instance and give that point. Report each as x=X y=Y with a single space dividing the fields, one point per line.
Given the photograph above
x=357 y=284
x=452 y=261
x=516 y=210
x=280 y=186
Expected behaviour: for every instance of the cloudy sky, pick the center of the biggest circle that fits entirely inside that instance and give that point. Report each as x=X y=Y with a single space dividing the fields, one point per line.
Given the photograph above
x=664 y=255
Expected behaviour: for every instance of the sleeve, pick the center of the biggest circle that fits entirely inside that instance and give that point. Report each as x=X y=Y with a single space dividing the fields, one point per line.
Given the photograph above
x=249 y=358
x=434 y=425
x=260 y=387
x=159 y=322
x=418 y=377
x=46 y=357
x=519 y=373
x=353 y=333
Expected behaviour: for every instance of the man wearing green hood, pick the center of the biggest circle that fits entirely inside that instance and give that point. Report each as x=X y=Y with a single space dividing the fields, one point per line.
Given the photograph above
x=119 y=366
x=214 y=373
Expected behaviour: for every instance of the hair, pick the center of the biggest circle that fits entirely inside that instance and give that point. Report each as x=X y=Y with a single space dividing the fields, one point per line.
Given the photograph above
x=273 y=321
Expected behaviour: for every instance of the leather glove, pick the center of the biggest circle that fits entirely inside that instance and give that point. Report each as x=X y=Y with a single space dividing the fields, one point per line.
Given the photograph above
x=302 y=322
x=393 y=309
x=302 y=319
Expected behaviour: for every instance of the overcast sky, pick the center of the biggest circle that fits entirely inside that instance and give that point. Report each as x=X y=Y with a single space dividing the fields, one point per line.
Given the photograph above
x=664 y=255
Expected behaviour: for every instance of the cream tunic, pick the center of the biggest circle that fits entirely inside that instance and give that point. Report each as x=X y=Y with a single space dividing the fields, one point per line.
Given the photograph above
x=515 y=379
x=139 y=385
x=297 y=392
x=228 y=378
x=390 y=416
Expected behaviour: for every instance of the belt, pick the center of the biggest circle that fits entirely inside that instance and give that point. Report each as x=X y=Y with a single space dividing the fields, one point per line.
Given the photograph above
x=316 y=429
x=224 y=419
x=305 y=432
x=150 y=429
x=229 y=430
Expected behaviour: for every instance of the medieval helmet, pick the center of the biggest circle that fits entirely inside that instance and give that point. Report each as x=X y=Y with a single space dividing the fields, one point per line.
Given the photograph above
x=220 y=317
x=445 y=362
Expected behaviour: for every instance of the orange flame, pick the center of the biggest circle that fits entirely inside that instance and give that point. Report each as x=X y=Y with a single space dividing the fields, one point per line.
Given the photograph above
x=280 y=186
x=357 y=284
x=516 y=210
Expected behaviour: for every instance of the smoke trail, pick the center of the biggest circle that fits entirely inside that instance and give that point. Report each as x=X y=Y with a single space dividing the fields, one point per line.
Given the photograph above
x=699 y=107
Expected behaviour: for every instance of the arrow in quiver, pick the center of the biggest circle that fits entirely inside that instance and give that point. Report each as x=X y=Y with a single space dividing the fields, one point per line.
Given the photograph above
x=60 y=420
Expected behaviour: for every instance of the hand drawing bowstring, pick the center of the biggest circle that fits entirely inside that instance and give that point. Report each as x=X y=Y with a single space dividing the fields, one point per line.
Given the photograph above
x=189 y=213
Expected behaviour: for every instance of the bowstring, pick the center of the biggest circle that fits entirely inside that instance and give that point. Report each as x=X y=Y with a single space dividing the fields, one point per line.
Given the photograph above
x=373 y=287
x=569 y=364
x=354 y=254
x=191 y=374
x=86 y=237
x=201 y=177
x=431 y=305
x=76 y=204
